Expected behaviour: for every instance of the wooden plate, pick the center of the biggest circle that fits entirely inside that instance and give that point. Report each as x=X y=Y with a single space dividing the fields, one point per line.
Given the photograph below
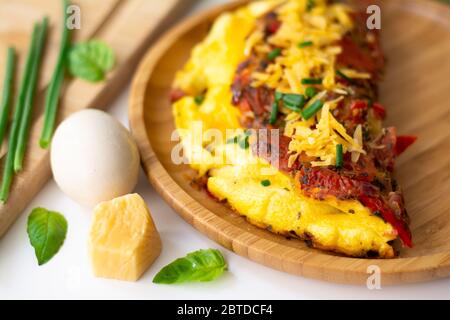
x=416 y=35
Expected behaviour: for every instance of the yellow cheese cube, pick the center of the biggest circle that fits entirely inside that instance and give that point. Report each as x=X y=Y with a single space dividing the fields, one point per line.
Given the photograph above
x=123 y=240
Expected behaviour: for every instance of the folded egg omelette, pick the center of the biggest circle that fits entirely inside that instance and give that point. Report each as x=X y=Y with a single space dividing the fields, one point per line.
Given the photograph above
x=305 y=74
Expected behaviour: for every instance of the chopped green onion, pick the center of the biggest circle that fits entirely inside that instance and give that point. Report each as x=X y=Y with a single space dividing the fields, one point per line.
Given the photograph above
x=293 y=99
x=278 y=95
x=305 y=44
x=312 y=109
x=199 y=99
x=243 y=142
x=8 y=169
x=310 y=92
x=7 y=92
x=54 y=88
x=342 y=75
x=273 y=54
x=293 y=108
x=274 y=113
x=339 y=156
x=265 y=183
x=28 y=107
x=234 y=140
x=294 y=102
x=310 y=4
x=311 y=81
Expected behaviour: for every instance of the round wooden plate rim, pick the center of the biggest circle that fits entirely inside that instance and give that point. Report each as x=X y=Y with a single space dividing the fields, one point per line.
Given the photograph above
x=421 y=268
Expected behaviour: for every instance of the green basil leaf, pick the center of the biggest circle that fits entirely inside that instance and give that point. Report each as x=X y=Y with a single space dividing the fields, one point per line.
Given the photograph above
x=201 y=265
x=91 y=60
x=46 y=231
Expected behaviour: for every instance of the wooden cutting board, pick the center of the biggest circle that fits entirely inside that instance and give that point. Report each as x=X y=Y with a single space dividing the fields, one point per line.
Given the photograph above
x=128 y=26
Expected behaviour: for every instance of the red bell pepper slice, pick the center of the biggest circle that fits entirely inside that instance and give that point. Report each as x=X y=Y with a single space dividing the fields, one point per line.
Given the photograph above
x=403 y=142
x=176 y=94
x=379 y=110
x=273 y=26
x=358 y=104
x=376 y=204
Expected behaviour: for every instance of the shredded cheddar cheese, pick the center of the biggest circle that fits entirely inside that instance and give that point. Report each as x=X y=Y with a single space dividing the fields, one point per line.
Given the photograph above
x=353 y=74
x=324 y=25
x=321 y=141
x=321 y=27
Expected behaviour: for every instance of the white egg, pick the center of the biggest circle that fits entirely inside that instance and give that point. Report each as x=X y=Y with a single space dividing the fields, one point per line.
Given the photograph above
x=94 y=158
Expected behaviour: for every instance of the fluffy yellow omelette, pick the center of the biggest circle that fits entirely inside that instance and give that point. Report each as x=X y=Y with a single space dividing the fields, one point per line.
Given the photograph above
x=345 y=227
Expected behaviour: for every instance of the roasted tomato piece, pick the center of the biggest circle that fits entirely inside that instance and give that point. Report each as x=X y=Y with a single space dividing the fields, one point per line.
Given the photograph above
x=403 y=143
x=379 y=110
x=272 y=24
x=358 y=105
x=399 y=223
x=354 y=56
x=176 y=94
x=319 y=183
x=389 y=146
x=363 y=170
x=278 y=156
x=361 y=49
x=385 y=147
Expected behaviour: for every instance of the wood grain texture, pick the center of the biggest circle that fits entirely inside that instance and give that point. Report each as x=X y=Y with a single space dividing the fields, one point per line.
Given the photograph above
x=127 y=26
x=416 y=36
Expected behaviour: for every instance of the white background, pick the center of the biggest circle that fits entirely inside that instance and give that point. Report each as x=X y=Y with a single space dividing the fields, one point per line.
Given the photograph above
x=68 y=274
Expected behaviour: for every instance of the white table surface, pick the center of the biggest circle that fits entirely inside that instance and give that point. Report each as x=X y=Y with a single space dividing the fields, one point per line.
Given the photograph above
x=68 y=274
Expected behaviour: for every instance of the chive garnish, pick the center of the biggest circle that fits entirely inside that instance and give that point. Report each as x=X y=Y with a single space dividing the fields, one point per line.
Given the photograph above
x=293 y=108
x=199 y=99
x=343 y=76
x=339 y=156
x=54 y=88
x=305 y=44
x=310 y=92
x=310 y=4
x=291 y=101
x=25 y=121
x=7 y=91
x=244 y=143
x=312 y=109
x=234 y=140
x=8 y=169
x=241 y=140
x=274 y=113
x=273 y=54
x=311 y=81
x=265 y=183
x=294 y=102
x=278 y=95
